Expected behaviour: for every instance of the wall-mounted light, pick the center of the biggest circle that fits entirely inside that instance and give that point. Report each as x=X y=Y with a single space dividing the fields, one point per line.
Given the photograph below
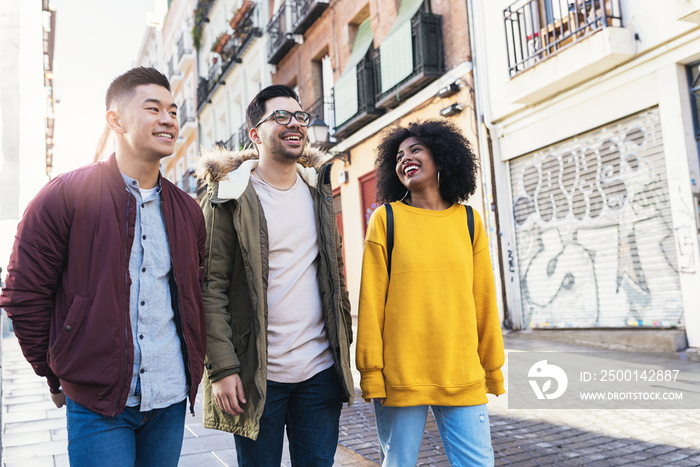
x=317 y=132
x=453 y=109
x=449 y=90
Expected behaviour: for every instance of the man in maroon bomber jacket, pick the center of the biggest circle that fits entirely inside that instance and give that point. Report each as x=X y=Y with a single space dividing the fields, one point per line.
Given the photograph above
x=104 y=288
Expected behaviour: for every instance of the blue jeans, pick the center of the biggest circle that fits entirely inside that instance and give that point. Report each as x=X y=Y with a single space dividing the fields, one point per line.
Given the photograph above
x=311 y=411
x=135 y=438
x=465 y=434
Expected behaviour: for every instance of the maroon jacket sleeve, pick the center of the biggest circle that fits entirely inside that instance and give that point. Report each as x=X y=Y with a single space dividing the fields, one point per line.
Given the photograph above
x=34 y=273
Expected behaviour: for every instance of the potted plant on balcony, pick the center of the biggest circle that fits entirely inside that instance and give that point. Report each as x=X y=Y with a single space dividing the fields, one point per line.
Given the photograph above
x=220 y=42
x=239 y=14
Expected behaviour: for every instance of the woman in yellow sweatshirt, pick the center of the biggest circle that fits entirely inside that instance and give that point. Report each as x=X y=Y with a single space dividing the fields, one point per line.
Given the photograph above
x=429 y=332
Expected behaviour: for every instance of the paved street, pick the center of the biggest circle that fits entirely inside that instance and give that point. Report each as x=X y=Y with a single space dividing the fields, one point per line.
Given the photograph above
x=556 y=437
x=34 y=431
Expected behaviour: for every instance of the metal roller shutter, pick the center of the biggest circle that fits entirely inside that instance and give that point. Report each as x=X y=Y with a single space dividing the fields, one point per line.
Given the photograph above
x=595 y=241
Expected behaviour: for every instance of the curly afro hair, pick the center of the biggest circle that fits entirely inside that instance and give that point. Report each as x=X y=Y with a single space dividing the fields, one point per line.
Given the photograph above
x=451 y=151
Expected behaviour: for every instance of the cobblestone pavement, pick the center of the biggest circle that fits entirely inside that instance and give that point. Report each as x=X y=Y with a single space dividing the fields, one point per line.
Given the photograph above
x=634 y=437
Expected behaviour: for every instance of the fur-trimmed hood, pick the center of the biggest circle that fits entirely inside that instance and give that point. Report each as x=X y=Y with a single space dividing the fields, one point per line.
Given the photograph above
x=219 y=167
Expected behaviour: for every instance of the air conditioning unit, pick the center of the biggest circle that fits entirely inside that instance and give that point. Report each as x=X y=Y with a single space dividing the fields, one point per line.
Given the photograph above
x=342 y=177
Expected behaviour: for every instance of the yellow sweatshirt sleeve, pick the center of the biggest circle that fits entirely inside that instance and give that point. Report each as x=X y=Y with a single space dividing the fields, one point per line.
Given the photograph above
x=490 y=347
x=373 y=291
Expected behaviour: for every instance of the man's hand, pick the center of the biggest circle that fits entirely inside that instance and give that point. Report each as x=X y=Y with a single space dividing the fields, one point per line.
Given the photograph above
x=58 y=399
x=380 y=400
x=228 y=394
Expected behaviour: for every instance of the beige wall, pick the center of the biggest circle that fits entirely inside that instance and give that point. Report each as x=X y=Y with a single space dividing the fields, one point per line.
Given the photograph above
x=362 y=158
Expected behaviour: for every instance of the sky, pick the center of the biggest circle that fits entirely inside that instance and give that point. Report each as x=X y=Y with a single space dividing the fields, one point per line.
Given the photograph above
x=95 y=42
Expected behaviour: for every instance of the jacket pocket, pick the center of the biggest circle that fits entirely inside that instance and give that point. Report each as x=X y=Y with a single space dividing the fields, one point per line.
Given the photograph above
x=70 y=328
x=240 y=343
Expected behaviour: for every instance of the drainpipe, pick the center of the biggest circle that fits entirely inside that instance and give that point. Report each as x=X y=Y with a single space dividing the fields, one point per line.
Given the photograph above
x=488 y=176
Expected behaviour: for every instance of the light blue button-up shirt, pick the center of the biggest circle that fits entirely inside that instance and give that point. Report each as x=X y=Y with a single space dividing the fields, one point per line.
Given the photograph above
x=159 y=378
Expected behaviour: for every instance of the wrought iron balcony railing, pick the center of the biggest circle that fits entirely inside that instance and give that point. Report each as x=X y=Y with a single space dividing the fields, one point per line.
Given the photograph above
x=306 y=12
x=280 y=32
x=201 y=12
x=366 y=98
x=186 y=112
x=428 y=60
x=184 y=46
x=538 y=29
x=243 y=136
x=247 y=29
x=202 y=92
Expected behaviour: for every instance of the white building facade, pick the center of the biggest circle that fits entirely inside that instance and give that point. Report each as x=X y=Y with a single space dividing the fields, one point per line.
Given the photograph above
x=232 y=67
x=594 y=125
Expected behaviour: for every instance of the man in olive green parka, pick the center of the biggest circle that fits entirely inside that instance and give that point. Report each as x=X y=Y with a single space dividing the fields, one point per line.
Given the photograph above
x=278 y=314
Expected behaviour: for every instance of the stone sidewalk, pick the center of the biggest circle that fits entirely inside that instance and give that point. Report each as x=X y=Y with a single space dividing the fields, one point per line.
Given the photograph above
x=34 y=430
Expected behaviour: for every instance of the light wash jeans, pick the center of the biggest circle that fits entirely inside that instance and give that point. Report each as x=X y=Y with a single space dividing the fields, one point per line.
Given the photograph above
x=465 y=434
x=132 y=438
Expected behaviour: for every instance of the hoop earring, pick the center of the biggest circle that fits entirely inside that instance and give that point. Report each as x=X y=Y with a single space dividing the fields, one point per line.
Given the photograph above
x=404 y=196
x=438 y=178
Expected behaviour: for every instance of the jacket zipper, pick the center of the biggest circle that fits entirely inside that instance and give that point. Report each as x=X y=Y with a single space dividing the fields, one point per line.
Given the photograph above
x=211 y=240
x=335 y=289
x=185 y=351
x=179 y=320
x=126 y=284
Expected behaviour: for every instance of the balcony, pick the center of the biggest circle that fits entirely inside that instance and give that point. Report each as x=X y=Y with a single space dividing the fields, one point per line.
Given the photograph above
x=427 y=56
x=185 y=52
x=305 y=13
x=188 y=183
x=174 y=73
x=551 y=50
x=244 y=136
x=247 y=28
x=366 y=95
x=202 y=93
x=538 y=29
x=237 y=141
x=323 y=109
x=206 y=86
x=186 y=116
x=281 y=37
x=201 y=12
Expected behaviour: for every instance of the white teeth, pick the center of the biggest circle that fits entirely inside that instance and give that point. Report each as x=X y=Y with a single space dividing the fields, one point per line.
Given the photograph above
x=292 y=138
x=410 y=169
x=164 y=135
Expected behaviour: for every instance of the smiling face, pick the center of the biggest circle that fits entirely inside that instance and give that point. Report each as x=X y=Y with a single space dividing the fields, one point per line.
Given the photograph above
x=415 y=166
x=280 y=142
x=147 y=122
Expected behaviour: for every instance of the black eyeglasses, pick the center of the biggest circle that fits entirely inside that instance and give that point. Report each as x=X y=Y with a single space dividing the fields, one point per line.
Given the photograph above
x=283 y=117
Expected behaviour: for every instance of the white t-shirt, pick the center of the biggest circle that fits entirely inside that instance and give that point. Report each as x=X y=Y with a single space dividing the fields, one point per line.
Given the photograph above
x=298 y=346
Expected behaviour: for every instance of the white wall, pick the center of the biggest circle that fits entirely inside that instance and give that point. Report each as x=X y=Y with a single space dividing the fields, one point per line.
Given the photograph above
x=650 y=73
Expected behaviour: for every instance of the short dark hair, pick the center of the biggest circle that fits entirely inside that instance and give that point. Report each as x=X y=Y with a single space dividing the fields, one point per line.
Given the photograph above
x=256 y=108
x=123 y=85
x=451 y=151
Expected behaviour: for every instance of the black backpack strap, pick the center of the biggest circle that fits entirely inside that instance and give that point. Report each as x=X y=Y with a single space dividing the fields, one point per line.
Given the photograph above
x=470 y=222
x=389 y=235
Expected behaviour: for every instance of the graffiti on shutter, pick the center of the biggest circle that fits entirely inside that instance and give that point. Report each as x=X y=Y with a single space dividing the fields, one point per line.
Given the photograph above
x=595 y=241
